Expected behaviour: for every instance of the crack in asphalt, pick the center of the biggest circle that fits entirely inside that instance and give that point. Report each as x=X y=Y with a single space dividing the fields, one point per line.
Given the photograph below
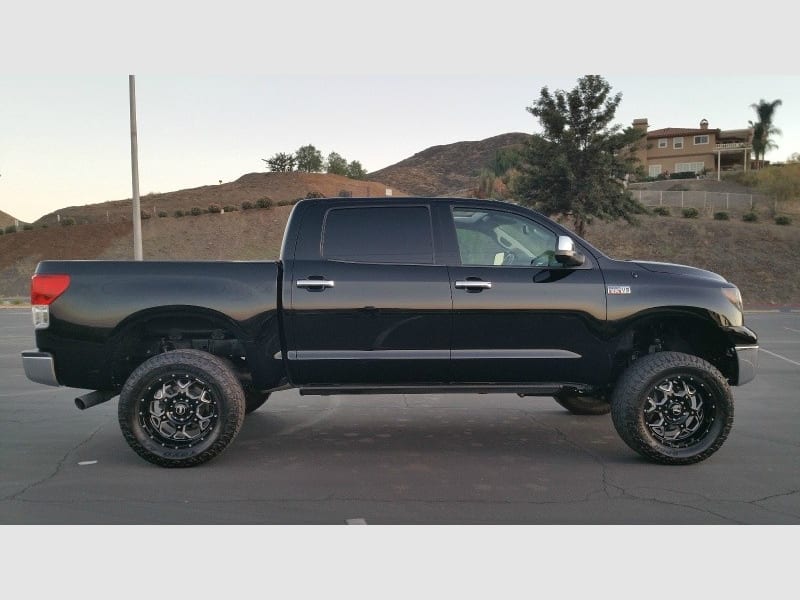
x=58 y=467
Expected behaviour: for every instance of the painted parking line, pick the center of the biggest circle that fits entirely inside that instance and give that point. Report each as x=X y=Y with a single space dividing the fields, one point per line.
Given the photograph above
x=790 y=329
x=356 y=521
x=789 y=360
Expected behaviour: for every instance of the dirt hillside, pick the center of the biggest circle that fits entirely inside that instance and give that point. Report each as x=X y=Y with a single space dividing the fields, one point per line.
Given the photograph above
x=251 y=187
x=6 y=219
x=449 y=169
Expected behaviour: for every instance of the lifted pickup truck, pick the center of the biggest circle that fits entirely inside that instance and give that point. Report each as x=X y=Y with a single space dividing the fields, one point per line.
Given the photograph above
x=416 y=295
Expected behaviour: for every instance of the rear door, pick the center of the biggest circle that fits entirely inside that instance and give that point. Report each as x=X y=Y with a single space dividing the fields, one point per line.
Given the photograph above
x=518 y=315
x=368 y=303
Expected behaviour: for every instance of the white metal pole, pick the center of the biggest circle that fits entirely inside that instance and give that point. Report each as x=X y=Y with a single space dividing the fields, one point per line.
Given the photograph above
x=137 y=213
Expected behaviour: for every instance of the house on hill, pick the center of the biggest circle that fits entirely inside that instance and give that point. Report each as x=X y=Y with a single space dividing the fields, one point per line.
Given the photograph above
x=698 y=150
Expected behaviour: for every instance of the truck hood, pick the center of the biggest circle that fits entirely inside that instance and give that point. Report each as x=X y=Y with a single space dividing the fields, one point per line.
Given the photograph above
x=673 y=269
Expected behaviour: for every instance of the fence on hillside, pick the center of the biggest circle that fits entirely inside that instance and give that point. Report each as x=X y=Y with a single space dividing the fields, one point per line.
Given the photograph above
x=707 y=201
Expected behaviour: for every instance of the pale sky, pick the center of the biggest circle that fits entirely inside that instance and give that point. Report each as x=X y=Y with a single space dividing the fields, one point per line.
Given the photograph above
x=372 y=89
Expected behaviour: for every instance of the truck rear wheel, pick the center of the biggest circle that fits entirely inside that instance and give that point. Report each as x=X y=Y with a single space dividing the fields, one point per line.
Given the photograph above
x=672 y=408
x=181 y=408
x=583 y=405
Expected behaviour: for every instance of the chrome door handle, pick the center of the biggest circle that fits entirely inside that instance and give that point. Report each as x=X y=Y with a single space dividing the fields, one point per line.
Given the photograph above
x=473 y=285
x=307 y=283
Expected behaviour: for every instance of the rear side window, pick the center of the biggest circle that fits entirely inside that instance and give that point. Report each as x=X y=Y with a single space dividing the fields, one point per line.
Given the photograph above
x=390 y=234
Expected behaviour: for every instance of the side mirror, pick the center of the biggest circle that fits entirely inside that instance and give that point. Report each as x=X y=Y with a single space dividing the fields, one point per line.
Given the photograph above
x=566 y=254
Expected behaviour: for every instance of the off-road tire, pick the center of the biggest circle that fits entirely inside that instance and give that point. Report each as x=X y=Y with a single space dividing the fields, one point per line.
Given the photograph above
x=649 y=397
x=254 y=399
x=583 y=405
x=181 y=408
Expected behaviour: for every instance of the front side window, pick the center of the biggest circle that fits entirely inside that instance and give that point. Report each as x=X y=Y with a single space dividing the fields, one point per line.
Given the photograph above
x=494 y=237
x=677 y=143
x=700 y=139
x=663 y=142
x=379 y=234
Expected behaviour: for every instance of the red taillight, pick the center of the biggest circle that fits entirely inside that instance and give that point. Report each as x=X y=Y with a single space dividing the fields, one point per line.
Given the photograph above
x=46 y=288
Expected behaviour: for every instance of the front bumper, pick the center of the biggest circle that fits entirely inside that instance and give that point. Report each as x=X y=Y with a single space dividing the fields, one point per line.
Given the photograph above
x=40 y=367
x=747 y=360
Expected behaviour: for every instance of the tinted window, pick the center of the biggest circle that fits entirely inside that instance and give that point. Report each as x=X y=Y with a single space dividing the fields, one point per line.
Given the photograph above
x=493 y=237
x=391 y=234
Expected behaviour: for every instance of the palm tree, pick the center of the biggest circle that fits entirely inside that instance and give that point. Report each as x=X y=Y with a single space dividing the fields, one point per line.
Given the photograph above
x=763 y=129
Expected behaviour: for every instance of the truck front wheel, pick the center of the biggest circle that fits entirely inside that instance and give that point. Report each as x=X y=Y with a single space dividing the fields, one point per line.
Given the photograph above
x=181 y=408
x=672 y=408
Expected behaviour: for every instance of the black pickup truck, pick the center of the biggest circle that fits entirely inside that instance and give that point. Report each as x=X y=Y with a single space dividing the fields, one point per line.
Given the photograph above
x=413 y=295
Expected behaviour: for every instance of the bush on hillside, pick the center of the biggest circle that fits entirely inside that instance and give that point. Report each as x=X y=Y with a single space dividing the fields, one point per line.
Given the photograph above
x=264 y=203
x=661 y=210
x=145 y=215
x=162 y=214
x=683 y=175
x=230 y=208
x=247 y=205
x=67 y=222
x=783 y=220
x=750 y=217
x=690 y=213
x=721 y=216
x=284 y=202
x=315 y=195
x=27 y=227
x=214 y=209
x=11 y=229
x=196 y=211
x=179 y=213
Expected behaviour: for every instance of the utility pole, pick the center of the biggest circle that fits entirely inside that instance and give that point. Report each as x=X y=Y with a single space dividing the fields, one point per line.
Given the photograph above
x=137 y=212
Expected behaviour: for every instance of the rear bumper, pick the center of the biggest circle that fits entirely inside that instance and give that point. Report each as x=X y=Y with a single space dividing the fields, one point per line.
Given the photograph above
x=747 y=360
x=40 y=367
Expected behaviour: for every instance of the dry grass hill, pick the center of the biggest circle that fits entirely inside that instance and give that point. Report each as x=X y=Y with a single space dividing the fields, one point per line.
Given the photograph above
x=6 y=219
x=447 y=170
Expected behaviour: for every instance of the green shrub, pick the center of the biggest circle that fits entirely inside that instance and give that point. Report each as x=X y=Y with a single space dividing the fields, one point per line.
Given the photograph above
x=162 y=214
x=315 y=195
x=11 y=229
x=284 y=202
x=264 y=203
x=145 y=215
x=721 y=216
x=196 y=211
x=690 y=213
x=67 y=222
x=27 y=227
x=247 y=205
x=45 y=226
x=661 y=210
x=683 y=175
x=2 y=231
x=750 y=217
x=783 y=220
x=179 y=213
x=214 y=209
x=345 y=194
x=230 y=208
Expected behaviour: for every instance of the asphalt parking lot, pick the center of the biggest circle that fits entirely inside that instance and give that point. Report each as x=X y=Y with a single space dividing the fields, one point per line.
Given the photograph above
x=427 y=459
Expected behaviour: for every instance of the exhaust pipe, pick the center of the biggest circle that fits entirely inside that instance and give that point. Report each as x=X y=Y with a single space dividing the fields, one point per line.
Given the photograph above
x=93 y=398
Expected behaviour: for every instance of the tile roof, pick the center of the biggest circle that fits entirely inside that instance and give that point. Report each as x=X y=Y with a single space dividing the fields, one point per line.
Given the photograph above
x=676 y=131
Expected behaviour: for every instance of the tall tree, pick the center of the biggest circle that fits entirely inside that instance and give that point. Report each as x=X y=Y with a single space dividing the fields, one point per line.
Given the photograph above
x=577 y=166
x=336 y=164
x=356 y=171
x=280 y=162
x=763 y=129
x=309 y=159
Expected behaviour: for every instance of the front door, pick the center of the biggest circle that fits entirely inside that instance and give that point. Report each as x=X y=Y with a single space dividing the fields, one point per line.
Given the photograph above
x=518 y=315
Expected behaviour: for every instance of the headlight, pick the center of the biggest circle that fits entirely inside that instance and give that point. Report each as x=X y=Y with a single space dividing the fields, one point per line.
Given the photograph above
x=734 y=296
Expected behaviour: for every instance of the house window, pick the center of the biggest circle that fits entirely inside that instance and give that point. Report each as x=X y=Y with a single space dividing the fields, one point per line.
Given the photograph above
x=677 y=143
x=690 y=167
x=700 y=139
x=654 y=170
x=663 y=143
